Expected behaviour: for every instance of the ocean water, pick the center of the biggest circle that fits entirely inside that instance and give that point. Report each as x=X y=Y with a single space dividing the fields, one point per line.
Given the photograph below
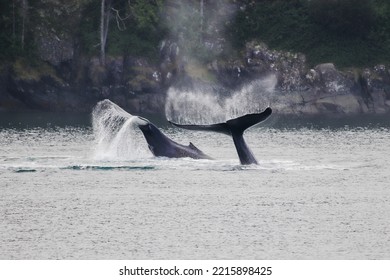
x=317 y=193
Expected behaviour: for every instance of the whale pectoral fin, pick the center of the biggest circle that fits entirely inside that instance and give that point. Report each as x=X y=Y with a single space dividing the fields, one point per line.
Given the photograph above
x=199 y=152
x=192 y=146
x=151 y=149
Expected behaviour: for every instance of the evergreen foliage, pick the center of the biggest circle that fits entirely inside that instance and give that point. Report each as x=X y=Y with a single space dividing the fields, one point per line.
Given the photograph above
x=11 y=45
x=350 y=33
x=138 y=32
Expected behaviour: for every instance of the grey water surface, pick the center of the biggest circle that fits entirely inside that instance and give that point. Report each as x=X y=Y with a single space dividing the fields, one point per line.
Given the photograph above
x=317 y=193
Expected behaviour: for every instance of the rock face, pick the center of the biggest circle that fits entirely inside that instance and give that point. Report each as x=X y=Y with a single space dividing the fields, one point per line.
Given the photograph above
x=7 y=100
x=376 y=88
x=320 y=90
x=64 y=81
x=54 y=49
x=132 y=83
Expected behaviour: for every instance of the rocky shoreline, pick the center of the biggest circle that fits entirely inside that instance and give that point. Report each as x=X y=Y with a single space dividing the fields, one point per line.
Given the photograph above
x=67 y=83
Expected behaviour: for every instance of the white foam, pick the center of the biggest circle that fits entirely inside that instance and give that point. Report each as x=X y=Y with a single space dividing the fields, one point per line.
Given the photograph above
x=116 y=134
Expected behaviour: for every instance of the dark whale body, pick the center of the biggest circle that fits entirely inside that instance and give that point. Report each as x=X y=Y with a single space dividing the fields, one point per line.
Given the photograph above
x=161 y=146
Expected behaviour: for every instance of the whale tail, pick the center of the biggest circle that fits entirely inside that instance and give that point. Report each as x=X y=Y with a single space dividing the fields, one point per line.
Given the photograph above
x=235 y=128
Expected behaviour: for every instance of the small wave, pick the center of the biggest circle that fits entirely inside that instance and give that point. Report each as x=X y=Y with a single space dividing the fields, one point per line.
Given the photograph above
x=107 y=168
x=40 y=158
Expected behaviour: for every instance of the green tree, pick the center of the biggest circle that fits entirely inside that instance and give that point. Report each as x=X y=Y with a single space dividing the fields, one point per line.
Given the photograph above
x=15 y=36
x=349 y=33
x=382 y=22
x=120 y=27
x=344 y=17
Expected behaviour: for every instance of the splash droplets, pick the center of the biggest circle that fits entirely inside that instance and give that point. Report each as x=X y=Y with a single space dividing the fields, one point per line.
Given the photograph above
x=116 y=134
x=200 y=106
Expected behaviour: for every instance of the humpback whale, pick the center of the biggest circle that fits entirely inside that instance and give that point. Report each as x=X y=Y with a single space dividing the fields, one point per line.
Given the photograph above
x=235 y=128
x=161 y=146
x=108 y=115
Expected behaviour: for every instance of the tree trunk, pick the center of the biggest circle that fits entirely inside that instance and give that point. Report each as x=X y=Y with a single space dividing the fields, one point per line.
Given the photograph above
x=24 y=14
x=104 y=24
x=13 y=22
x=201 y=20
x=102 y=31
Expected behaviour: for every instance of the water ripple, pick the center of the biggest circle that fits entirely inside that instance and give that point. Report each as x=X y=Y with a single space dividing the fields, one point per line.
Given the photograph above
x=107 y=168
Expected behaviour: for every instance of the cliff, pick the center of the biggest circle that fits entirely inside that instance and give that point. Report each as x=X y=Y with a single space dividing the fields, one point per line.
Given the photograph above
x=322 y=89
x=141 y=86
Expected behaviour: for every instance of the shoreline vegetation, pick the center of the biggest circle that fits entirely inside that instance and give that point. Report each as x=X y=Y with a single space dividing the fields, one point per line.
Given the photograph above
x=328 y=57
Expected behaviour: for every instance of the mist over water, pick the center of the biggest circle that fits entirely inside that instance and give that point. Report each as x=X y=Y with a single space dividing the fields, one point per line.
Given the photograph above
x=197 y=31
x=198 y=27
x=202 y=104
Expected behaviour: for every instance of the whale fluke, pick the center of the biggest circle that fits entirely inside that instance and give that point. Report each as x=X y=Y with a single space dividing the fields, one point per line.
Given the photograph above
x=245 y=122
x=235 y=128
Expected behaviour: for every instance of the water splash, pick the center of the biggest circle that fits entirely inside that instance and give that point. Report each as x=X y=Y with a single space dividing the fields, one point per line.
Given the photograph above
x=207 y=105
x=116 y=134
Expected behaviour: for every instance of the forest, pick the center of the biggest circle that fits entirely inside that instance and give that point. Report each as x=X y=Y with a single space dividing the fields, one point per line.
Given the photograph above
x=349 y=33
